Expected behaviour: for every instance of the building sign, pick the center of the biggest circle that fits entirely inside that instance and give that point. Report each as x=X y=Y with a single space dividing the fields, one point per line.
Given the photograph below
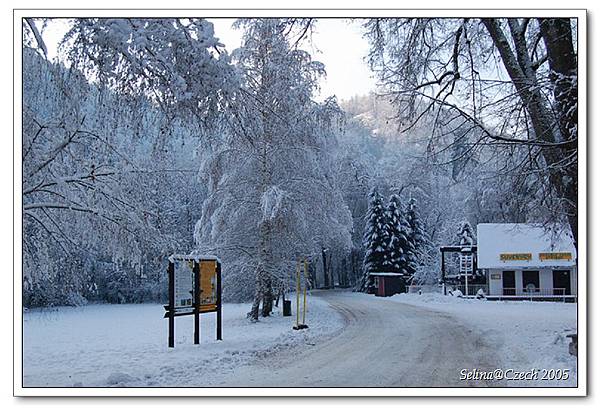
x=515 y=256
x=184 y=283
x=556 y=256
x=495 y=276
x=466 y=264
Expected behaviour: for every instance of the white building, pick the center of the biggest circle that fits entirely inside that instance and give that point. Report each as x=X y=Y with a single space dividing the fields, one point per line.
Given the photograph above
x=525 y=261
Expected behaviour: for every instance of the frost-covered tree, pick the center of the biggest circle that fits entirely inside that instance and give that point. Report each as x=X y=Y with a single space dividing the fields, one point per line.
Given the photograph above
x=178 y=63
x=272 y=194
x=108 y=187
x=417 y=241
x=398 y=243
x=465 y=235
x=497 y=66
x=375 y=241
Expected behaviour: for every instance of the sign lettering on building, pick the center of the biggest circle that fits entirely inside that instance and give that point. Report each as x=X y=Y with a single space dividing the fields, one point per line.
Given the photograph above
x=556 y=256
x=515 y=256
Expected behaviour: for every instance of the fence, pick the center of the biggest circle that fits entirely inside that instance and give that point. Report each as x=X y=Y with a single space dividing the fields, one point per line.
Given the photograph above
x=534 y=292
x=473 y=289
x=424 y=289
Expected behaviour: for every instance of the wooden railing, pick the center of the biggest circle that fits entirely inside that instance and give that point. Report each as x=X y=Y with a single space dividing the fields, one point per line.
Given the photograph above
x=533 y=292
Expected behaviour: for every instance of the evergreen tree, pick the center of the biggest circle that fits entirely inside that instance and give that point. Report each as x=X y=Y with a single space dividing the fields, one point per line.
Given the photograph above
x=465 y=235
x=397 y=245
x=375 y=237
x=464 y=238
x=416 y=237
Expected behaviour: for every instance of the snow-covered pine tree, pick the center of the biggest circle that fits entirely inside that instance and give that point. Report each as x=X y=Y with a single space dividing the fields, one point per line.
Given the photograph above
x=375 y=238
x=398 y=244
x=416 y=237
x=465 y=235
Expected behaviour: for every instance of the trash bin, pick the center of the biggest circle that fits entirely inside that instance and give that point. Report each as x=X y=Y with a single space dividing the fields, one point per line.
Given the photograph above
x=287 y=308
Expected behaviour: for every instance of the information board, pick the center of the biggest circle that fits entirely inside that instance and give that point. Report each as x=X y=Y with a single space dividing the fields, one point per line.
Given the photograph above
x=184 y=283
x=194 y=289
x=208 y=285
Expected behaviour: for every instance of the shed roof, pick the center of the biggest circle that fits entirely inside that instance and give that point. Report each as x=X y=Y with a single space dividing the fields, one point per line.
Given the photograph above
x=496 y=239
x=194 y=256
x=387 y=274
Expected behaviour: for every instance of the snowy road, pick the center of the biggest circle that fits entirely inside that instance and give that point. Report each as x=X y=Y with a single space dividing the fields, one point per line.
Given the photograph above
x=384 y=343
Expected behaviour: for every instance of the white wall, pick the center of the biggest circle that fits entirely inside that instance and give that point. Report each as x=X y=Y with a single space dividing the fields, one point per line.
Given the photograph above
x=495 y=285
x=546 y=280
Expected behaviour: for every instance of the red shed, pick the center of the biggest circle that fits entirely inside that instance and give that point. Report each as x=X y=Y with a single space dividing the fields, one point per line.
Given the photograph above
x=388 y=283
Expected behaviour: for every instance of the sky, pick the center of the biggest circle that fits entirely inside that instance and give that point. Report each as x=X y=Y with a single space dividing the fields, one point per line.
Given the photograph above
x=337 y=43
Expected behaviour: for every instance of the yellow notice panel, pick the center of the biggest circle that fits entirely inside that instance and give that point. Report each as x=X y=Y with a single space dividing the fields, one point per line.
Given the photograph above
x=556 y=256
x=515 y=256
x=208 y=285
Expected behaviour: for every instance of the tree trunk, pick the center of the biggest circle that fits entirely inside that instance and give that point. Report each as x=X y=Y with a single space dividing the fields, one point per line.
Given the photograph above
x=560 y=152
x=562 y=61
x=253 y=314
x=325 y=272
x=267 y=306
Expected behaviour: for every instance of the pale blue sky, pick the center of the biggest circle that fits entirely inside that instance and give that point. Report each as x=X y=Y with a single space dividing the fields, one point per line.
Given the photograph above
x=337 y=43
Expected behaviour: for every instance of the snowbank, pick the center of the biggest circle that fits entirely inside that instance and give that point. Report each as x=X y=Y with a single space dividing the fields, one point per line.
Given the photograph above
x=126 y=345
x=527 y=335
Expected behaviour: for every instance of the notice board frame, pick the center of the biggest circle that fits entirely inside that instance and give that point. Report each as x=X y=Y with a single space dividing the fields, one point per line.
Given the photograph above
x=173 y=311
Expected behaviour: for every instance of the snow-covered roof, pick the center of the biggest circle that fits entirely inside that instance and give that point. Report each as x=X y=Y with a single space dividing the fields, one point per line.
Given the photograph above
x=388 y=274
x=510 y=245
x=195 y=257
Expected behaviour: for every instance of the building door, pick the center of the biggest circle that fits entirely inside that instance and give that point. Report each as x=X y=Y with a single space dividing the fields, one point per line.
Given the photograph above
x=508 y=283
x=561 y=279
x=531 y=281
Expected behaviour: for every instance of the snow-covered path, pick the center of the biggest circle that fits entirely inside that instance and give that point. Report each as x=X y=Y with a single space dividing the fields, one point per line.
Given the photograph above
x=384 y=343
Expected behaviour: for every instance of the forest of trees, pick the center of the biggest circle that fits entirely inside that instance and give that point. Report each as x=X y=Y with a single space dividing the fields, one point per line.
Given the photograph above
x=146 y=137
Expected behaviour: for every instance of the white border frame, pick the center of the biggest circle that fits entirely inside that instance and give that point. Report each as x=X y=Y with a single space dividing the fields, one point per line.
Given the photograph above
x=582 y=306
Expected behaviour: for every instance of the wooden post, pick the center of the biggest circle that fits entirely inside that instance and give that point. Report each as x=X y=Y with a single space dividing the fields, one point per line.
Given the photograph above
x=298 y=294
x=196 y=302
x=219 y=307
x=467 y=284
x=443 y=273
x=171 y=272
x=304 y=300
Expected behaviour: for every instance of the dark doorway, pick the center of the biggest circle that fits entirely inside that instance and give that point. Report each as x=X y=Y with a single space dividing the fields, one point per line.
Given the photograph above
x=508 y=283
x=561 y=279
x=531 y=281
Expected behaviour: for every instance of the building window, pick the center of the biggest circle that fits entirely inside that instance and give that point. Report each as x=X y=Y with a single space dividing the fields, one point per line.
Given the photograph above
x=531 y=281
x=561 y=282
x=508 y=283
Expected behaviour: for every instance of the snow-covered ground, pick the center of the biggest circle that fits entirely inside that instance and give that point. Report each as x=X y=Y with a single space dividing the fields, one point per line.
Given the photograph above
x=126 y=345
x=526 y=335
